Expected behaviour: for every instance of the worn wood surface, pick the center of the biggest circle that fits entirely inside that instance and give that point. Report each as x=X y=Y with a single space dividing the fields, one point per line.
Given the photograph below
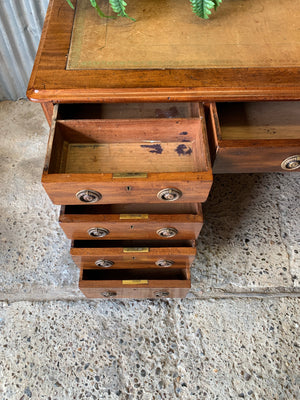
x=254 y=158
x=118 y=143
x=122 y=283
x=76 y=226
x=259 y=120
x=169 y=35
x=48 y=109
x=63 y=178
x=231 y=57
x=279 y=78
x=130 y=157
x=62 y=188
x=95 y=291
x=86 y=257
x=253 y=141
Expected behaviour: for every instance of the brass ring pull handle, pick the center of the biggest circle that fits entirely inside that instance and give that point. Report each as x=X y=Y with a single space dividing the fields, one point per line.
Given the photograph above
x=167 y=232
x=161 y=293
x=109 y=293
x=88 y=196
x=164 y=263
x=104 y=263
x=169 y=194
x=291 y=163
x=98 y=232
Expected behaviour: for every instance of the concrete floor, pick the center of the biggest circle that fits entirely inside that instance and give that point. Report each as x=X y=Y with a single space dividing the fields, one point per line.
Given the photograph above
x=235 y=336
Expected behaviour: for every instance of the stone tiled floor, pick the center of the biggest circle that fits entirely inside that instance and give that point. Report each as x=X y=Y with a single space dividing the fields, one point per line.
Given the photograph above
x=151 y=350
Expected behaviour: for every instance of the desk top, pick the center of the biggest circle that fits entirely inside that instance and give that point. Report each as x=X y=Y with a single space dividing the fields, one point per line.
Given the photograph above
x=248 y=50
x=168 y=35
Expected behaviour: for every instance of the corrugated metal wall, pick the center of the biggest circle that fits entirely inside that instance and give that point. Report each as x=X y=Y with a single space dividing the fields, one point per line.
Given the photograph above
x=21 y=23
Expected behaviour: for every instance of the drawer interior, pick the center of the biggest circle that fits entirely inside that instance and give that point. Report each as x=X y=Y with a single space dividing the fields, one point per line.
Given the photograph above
x=128 y=244
x=128 y=209
x=101 y=151
x=134 y=274
x=116 y=140
x=127 y=110
x=259 y=120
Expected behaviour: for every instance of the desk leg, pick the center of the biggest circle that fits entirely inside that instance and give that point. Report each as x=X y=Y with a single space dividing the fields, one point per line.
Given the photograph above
x=48 y=111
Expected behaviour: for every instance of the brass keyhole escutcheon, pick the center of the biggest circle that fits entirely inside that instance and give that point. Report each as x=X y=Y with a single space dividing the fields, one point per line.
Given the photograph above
x=169 y=194
x=161 y=293
x=109 y=293
x=104 y=263
x=167 y=232
x=164 y=263
x=88 y=196
x=291 y=163
x=98 y=232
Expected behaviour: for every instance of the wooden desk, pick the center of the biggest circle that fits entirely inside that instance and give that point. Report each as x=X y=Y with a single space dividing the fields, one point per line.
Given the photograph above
x=184 y=97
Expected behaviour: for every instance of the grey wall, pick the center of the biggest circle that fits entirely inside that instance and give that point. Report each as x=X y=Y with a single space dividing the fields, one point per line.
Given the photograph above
x=21 y=23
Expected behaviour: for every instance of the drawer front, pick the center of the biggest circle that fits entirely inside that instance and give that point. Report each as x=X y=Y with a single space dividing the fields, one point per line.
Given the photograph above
x=254 y=137
x=140 y=257
x=189 y=187
x=139 y=283
x=111 y=292
x=132 y=230
x=126 y=226
x=258 y=158
x=133 y=160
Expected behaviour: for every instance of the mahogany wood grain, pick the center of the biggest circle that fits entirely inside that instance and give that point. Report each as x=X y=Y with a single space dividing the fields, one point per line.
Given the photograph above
x=230 y=148
x=250 y=157
x=48 y=111
x=246 y=148
x=62 y=187
x=86 y=257
x=155 y=290
x=128 y=131
x=173 y=283
x=273 y=120
x=76 y=227
x=50 y=81
x=164 y=143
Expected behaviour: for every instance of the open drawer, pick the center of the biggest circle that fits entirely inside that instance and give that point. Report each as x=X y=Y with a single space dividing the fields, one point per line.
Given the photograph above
x=132 y=221
x=127 y=153
x=254 y=136
x=135 y=283
x=91 y=254
x=134 y=269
